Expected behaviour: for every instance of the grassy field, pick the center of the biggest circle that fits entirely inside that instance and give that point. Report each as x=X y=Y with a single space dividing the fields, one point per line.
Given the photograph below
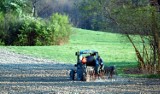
x=114 y=48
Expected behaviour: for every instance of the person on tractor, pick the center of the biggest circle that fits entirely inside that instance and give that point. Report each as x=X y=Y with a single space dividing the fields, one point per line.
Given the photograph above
x=84 y=60
x=101 y=65
x=91 y=60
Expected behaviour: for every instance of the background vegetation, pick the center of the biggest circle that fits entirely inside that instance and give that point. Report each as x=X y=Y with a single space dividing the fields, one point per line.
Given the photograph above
x=138 y=17
x=39 y=22
x=20 y=27
x=113 y=50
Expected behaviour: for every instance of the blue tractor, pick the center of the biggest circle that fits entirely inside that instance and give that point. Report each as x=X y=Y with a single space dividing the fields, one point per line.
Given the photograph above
x=87 y=65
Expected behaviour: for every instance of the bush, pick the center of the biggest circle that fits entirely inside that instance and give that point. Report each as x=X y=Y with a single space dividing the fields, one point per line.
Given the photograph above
x=59 y=28
x=6 y=20
x=30 y=31
x=1 y=28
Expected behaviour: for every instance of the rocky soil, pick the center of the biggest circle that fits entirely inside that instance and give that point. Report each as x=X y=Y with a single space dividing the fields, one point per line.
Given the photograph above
x=22 y=74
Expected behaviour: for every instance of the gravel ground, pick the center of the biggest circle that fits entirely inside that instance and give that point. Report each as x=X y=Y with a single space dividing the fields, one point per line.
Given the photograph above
x=22 y=74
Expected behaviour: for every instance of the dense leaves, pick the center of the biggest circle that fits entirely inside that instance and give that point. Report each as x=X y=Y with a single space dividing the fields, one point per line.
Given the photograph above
x=61 y=28
x=35 y=31
x=19 y=27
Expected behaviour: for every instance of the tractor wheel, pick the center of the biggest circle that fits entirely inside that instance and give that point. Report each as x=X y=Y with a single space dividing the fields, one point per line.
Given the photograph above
x=72 y=74
x=79 y=75
x=84 y=77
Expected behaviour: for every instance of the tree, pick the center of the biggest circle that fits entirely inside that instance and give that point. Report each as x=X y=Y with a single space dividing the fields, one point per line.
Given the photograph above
x=93 y=15
x=143 y=21
x=132 y=17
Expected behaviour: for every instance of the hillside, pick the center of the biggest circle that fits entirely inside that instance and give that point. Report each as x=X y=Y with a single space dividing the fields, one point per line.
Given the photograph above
x=113 y=48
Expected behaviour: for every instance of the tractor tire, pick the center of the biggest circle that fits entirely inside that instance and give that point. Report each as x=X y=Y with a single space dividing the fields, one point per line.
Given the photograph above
x=79 y=75
x=84 y=77
x=72 y=74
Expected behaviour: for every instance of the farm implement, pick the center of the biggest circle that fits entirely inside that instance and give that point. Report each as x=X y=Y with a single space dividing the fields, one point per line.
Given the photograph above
x=89 y=67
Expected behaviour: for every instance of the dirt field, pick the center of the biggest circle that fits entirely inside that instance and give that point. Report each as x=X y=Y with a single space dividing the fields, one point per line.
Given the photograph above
x=21 y=74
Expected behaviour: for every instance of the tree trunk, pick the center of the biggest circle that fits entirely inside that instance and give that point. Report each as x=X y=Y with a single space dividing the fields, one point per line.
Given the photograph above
x=34 y=14
x=140 y=58
x=159 y=57
x=156 y=37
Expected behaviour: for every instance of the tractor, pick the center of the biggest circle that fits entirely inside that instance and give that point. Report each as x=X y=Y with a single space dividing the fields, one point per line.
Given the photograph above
x=87 y=66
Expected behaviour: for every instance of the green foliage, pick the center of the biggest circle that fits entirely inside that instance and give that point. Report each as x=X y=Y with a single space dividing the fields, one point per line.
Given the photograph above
x=93 y=15
x=30 y=32
x=35 y=31
x=142 y=20
x=60 y=28
x=14 y=6
x=5 y=25
x=18 y=29
x=1 y=26
x=134 y=20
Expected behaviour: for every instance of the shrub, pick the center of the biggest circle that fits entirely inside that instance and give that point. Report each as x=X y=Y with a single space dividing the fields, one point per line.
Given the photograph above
x=30 y=31
x=6 y=21
x=59 y=28
x=1 y=28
